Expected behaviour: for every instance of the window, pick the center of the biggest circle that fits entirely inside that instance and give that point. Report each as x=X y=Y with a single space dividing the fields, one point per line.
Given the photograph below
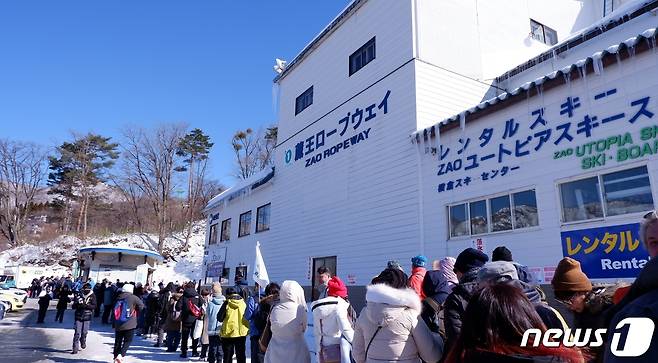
x=263 y=218
x=458 y=221
x=525 y=209
x=542 y=33
x=479 y=220
x=362 y=56
x=304 y=100
x=245 y=224
x=611 y=194
x=500 y=213
x=226 y=230
x=212 y=238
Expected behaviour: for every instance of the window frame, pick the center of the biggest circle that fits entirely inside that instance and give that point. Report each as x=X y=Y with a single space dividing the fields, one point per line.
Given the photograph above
x=242 y=233
x=599 y=175
x=269 y=206
x=212 y=237
x=304 y=96
x=487 y=200
x=543 y=28
x=363 y=50
x=226 y=222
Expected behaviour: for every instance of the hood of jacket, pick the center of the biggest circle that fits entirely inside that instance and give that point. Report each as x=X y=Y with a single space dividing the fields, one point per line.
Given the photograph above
x=218 y=300
x=327 y=307
x=529 y=291
x=386 y=304
x=234 y=301
x=189 y=292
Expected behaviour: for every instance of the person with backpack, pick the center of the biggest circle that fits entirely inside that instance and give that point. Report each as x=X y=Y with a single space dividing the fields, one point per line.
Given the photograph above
x=333 y=328
x=190 y=308
x=84 y=304
x=235 y=327
x=215 y=352
x=252 y=314
x=124 y=314
x=172 y=321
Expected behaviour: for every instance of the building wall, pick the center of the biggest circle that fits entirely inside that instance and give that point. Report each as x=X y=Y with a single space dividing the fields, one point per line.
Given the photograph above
x=326 y=68
x=238 y=250
x=541 y=246
x=482 y=39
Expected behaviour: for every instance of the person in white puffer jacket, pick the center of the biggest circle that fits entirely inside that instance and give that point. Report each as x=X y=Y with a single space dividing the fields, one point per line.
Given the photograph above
x=389 y=328
x=331 y=323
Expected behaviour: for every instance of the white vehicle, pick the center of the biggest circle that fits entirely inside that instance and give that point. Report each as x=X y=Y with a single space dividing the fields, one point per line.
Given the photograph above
x=22 y=275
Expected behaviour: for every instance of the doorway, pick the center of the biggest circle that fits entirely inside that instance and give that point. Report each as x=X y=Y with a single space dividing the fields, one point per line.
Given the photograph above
x=328 y=262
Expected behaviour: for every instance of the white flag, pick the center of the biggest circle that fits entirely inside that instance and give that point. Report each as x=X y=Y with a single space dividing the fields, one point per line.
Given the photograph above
x=260 y=272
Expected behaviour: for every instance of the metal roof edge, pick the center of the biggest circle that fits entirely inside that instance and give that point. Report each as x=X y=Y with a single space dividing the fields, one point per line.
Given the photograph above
x=342 y=16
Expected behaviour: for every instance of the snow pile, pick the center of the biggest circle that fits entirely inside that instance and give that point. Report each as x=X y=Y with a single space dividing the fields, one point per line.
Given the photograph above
x=181 y=264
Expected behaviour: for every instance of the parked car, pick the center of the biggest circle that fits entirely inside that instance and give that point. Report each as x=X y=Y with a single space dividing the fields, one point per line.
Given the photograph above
x=15 y=300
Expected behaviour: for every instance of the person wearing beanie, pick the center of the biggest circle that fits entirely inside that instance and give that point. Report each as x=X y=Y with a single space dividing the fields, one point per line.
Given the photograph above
x=589 y=304
x=394 y=264
x=128 y=306
x=332 y=324
x=495 y=272
x=502 y=253
x=467 y=265
x=215 y=352
x=417 y=276
x=389 y=328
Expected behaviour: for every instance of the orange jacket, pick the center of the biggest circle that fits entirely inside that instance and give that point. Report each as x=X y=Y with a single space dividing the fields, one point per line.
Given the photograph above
x=416 y=280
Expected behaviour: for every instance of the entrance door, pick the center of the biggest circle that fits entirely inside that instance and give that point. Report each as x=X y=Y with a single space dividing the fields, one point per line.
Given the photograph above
x=330 y=263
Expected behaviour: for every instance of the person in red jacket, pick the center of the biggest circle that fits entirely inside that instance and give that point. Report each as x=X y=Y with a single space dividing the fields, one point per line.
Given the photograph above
x=418 y=275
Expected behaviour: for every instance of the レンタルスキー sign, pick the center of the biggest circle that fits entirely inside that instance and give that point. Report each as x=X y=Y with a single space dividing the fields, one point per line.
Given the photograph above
x=606 y=252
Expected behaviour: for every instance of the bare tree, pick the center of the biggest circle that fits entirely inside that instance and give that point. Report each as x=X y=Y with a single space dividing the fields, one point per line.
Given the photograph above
x=149 y=161
x=253 y=150
x=22 y=170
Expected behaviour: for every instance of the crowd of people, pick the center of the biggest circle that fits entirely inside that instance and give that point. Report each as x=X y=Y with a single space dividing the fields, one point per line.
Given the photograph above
x=468 y=308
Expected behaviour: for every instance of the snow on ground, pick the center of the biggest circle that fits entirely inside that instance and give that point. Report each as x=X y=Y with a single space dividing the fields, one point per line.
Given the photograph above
x=183 y=265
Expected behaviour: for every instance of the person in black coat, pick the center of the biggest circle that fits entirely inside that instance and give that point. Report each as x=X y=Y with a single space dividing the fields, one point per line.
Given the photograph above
x=63 y=300
x=44 y=302
x=84 y=304
x=467 y=266
x=188 y=320
x=99 y=291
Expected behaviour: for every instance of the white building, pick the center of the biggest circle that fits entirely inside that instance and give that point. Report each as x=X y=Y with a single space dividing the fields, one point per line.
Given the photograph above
x=116 y=263
x=358 y=176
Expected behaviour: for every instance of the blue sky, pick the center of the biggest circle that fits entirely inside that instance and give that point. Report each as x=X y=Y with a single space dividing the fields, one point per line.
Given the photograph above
x=101 y=65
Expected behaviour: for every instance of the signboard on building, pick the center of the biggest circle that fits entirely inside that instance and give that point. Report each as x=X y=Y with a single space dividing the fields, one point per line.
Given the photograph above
x=215 y=269
x=606 y=252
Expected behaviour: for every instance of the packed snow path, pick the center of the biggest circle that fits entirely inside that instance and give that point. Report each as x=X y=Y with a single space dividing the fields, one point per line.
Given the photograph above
x=23 y=340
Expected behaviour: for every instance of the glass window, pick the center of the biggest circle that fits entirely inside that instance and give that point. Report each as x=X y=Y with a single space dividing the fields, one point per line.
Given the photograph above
x=479 y=221
x=304 y=100
x=458 y=221
x=550 y=36
x=212 y=239
x=581 y=200
x=226 y=230
x=263 y=218
x=542 y=33
x=525 y=209
x=245 y=224
x=362 y=56
x=501 y=214
x=627 y=191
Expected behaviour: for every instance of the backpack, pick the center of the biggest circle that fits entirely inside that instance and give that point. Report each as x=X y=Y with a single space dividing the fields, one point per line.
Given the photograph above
x=122 y=311
x=194 y=310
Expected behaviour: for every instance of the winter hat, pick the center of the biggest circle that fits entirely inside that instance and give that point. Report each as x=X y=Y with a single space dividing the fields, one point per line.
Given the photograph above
x=419 y=261
x=501 y=253
x=394 y=264
x=469 y=259
x=392 y=277
x=496 y=271
x=216 y=289
x=129 y=288
x=447 y=268
x=569 y=277
x=336 y=287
